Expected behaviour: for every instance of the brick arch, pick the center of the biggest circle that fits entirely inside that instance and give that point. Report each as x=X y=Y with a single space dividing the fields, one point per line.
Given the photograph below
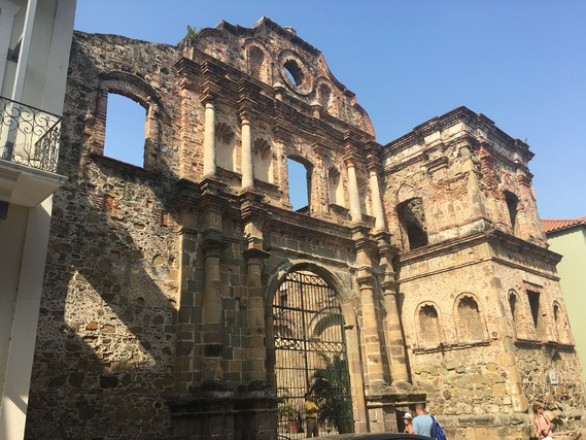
x=429 y=327
x=256 y=67
x=560 y=321
x=327 y=96
x=411 y=216
x=132 y=87
x=517 y=311
x=331 y=278
x=469 y=319
x=319 y=331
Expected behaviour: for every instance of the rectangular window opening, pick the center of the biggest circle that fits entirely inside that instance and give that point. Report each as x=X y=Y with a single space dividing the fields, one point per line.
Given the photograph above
x=534 y=304
x=299 y=182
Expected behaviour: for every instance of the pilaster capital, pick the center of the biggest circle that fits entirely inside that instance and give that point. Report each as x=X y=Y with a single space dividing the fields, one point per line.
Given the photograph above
x=244 y=115
x=208 y=99
x=365 y=277
x=255 y=254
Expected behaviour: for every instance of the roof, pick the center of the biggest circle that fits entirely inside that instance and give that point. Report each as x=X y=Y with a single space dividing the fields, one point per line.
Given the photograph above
x=553 y=225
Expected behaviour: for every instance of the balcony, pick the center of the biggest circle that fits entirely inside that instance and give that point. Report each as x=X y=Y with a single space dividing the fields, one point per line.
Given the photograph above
x=29 y=149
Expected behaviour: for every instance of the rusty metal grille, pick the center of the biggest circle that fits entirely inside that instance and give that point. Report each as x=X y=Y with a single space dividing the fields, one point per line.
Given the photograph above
x=310 y=352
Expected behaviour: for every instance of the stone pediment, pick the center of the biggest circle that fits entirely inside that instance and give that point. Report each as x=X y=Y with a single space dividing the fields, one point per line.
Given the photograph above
x=277 y=57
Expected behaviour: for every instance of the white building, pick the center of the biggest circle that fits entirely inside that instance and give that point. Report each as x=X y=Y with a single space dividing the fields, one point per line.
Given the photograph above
x=35 y=40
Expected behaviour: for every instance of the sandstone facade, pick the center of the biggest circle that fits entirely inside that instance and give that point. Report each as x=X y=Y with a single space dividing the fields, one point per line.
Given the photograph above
x=162 y=281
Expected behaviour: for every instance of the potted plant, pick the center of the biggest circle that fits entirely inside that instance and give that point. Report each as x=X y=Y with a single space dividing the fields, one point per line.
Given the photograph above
x=288 y=413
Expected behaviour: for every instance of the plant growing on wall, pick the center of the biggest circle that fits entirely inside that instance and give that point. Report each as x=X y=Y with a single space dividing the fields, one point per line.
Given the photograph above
x=331 y=390
x=191 y=32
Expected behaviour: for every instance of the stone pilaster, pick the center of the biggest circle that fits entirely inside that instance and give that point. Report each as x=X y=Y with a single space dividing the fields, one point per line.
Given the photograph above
x=212 y=299
x=255 y=365
x=372 y=347
x=394 y=329
x=374 y=369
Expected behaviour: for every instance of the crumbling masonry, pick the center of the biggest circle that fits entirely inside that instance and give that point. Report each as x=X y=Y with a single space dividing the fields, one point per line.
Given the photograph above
x=187 y=299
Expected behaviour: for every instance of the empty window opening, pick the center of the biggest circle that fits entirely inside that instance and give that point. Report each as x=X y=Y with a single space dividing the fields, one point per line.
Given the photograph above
x=125 y=130
x=412 y=219
x=512 y=203
x=534 y=304
x=537 y=313
x=299 y=184
x=470 y=323
x=294 y=72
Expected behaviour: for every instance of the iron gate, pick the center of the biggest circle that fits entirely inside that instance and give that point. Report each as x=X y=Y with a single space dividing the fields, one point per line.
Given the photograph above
x=310 y=355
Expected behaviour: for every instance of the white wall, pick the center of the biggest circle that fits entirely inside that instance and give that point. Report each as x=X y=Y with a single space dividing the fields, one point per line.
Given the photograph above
x=12 y=232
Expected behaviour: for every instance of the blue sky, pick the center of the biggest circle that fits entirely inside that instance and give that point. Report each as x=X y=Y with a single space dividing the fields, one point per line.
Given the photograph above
x=522 y=63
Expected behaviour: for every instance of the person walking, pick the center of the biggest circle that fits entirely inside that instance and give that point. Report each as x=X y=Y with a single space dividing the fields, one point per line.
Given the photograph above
x=407 y=420
x=310 y=416
x=541 y=422
x=423 y=422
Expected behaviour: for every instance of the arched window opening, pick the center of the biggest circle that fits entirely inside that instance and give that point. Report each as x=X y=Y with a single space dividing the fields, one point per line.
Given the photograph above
x=412 y=219
x=512 y=205
x=513 y=305
x=125 y=130
x=429 y=326
x=515 y=311
x=469 y=320
x=335 y=187
x=299 y=183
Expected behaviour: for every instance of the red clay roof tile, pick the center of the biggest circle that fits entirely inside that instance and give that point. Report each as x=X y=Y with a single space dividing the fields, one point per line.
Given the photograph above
x=551 y=225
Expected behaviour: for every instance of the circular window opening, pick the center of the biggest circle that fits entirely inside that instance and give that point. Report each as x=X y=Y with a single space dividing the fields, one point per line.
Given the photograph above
x=294 y=72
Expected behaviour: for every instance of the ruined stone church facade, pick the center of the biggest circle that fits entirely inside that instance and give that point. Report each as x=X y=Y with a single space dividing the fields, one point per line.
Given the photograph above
x=187 y=299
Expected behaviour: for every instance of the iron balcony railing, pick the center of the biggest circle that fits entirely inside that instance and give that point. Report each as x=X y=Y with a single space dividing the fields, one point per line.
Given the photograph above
x=29 y=136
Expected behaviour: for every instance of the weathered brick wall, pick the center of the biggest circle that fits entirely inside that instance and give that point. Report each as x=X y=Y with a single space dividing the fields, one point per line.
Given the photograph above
x=460 y=171
x=106 y=338
x=156 y=320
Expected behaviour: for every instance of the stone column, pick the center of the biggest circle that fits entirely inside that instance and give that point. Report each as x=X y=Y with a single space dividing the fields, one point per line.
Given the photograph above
x=355 y=211
x=377 y=206
x=246 y=165
x=209 y=139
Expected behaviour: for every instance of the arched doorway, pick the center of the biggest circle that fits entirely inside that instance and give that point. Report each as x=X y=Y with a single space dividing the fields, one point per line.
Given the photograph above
x=310 y=354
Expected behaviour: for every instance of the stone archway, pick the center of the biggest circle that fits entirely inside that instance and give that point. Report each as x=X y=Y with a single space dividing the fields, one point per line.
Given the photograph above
x=310 y=353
